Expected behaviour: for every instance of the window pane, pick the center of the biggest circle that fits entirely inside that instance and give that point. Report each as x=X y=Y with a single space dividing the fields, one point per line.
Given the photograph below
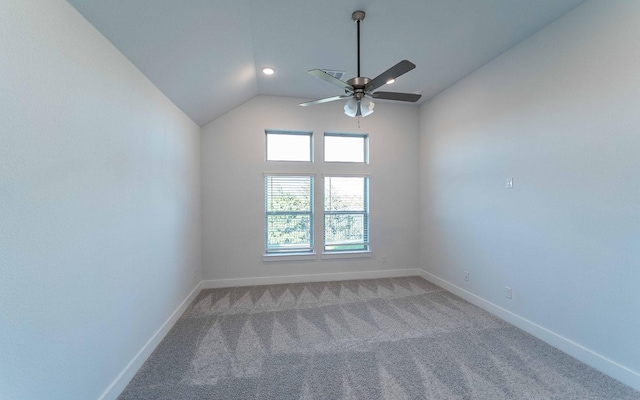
x=345 y=232
x=346 y=215
x=288 y=232
x=288 y=146
x=344 y=193
x=289 y=213
x=345 y=148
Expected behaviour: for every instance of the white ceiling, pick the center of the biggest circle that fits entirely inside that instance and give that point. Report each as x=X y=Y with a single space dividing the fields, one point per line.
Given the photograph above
x=206 y=55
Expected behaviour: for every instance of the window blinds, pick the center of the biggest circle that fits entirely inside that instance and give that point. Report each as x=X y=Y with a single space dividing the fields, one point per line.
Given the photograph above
x=289 y=213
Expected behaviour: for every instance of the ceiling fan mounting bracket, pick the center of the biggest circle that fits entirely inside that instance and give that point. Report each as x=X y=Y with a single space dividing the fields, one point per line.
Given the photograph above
x=357 y=16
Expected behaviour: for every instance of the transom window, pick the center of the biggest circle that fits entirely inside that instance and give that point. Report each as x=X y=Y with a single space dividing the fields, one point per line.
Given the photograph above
x=346 y=213
x=345 y=147
x=288 y=146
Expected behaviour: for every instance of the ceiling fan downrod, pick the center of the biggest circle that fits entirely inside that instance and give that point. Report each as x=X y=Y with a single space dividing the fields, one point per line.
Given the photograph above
x=358 y=16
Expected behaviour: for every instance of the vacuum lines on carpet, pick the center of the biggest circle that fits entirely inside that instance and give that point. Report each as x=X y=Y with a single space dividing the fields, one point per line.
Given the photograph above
x=391 y=339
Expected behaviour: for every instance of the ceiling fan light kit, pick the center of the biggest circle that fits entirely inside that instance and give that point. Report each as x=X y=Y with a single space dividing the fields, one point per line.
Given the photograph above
x=360 y=89
x=357 y=108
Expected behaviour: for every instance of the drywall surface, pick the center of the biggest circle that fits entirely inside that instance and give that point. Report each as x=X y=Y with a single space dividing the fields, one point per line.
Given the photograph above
x=233 y=169
x=559 y=114
x=99 y=205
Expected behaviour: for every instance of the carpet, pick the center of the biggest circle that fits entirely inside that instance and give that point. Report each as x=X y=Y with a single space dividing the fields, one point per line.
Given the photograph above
x=396 y=338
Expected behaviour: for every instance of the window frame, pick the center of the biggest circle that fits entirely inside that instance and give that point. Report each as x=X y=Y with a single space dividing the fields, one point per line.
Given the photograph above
x=268 y=132
x=366 y=250
x=364 y=136
x=302 y=252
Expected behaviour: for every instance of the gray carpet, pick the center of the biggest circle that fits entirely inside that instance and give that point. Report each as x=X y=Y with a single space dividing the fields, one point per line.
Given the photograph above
x=399 y=338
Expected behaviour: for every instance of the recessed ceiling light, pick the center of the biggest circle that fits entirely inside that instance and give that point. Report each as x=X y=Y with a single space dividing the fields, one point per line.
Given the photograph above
x=390 y=81
x=268 y=71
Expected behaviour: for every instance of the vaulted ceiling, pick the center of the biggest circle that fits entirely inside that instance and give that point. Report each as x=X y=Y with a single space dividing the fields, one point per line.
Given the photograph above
x=206 y=55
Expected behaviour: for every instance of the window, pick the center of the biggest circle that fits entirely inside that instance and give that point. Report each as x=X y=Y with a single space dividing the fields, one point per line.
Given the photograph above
x=346 y=213
x=289 y=214
x=345 y=147
x=292 y=224
x=288 y=146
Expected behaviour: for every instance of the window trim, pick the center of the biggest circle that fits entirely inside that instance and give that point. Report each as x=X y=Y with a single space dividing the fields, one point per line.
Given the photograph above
x=268 y=132
x=346 y=254
x=364 y=136
x=280 y=257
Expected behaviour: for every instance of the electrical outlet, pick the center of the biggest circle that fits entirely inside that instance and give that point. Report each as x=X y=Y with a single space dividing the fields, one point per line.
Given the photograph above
x=508 y=292
x=466 y=275
x=384 y=259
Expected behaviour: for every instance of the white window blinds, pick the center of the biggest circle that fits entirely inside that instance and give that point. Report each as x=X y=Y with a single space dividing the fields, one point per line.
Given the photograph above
x=289 y=213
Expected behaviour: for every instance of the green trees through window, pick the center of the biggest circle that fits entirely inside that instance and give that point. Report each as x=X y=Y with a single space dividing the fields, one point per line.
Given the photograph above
x=289 y=213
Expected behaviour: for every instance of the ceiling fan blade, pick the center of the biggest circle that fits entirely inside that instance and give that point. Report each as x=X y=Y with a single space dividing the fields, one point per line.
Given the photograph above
x=396 y=96
x=325 y=100
x=328 y=78
x=394 y=72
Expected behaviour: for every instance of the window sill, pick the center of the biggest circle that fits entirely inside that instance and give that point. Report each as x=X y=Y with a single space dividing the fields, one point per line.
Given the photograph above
x=346 y=254
x=289 y=257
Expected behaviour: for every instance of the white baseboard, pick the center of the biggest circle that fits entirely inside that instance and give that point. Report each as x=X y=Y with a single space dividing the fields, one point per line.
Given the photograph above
x=589 y=357
x=338 y=276
x=121 y=381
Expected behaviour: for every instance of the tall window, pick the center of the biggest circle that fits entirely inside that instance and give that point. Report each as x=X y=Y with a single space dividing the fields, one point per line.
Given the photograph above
x=290 y=221
x=288 y=146
x=346 y=213
x=289 y=214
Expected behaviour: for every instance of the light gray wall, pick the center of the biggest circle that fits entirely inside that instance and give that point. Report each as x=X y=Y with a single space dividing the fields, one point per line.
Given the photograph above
x=560 y=113
x=233 y=168
x=99 y=205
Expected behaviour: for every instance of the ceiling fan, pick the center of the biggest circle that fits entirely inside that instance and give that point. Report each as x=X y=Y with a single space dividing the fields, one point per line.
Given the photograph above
x=361 y=88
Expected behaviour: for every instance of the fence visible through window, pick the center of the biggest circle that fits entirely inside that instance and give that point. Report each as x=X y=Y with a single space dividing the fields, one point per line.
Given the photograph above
x=346 y=213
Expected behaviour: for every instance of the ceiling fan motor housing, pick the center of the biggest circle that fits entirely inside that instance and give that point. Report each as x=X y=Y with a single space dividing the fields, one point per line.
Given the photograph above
x=359 y=82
